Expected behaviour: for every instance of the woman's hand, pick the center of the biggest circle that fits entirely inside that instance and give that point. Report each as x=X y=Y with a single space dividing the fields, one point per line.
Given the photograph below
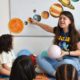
x=41 y=25
x=64 y=53
x=32 y=21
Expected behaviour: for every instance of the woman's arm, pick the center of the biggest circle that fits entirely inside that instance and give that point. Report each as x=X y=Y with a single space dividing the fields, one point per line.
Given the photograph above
x=77 y=52
x=42 y=25
x=73 y=53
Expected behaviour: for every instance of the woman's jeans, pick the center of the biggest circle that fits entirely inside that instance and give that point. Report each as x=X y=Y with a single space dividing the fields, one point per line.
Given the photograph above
x=49 y=65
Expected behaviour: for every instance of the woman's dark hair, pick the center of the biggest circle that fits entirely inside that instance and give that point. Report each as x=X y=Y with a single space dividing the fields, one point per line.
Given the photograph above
x=6 y=43
x=73 y=33
x=66 y=72
x=22 y=69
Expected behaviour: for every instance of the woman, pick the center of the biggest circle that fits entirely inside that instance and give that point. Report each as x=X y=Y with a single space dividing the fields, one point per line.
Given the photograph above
x=67 y=37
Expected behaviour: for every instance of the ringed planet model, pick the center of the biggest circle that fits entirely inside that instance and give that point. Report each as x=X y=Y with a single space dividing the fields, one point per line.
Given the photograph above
x=67 y=3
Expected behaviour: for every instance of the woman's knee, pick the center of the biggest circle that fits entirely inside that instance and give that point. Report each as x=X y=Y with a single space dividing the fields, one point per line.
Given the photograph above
x=39 y=58
x=42 y=55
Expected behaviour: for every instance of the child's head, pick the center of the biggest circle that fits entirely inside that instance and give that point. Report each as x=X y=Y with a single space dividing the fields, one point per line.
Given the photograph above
x=66 y=72
x=6 y=42
x=22 y=69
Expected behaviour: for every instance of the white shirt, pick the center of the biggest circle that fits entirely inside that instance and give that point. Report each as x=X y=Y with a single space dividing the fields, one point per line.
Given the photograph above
x=7 y=58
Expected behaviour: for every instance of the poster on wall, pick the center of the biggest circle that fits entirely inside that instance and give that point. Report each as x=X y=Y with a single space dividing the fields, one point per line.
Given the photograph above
x=44 y=11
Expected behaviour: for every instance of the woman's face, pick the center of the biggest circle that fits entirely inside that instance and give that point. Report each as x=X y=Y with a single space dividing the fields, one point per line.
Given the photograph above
x=64 y=21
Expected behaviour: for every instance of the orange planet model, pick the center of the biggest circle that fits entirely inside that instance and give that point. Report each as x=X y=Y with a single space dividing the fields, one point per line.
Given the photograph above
x=16 y=25
x=55 y=9
x=45 y=14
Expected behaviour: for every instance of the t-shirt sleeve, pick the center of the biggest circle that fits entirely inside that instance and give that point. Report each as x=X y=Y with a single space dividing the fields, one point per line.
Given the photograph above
x=3 y=58
x=0 y=65
x=13 y=55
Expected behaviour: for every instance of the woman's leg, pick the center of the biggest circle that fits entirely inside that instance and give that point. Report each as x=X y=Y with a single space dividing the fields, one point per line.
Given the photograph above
x=48 y=65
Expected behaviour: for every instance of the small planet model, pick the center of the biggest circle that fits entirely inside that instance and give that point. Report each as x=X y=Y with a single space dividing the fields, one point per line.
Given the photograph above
x=37 y=17
x=16 y=25
x=25 y=22
x=55 y=9
x=45 y=14
x=34 y=10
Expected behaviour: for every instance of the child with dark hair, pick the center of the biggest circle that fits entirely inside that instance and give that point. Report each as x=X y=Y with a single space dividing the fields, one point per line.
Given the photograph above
x=66 y=72
x=22 y=69
x=6 y=55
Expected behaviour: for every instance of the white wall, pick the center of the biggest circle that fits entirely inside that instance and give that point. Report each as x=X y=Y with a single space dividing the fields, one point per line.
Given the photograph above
x=4 y=16
x=24 y=9
x=34 y=44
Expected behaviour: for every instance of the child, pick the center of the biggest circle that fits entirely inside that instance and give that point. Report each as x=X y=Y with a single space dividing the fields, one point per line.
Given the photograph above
x=22 y=69
x=67 y=37
x=66 y=72
x=6 y=54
